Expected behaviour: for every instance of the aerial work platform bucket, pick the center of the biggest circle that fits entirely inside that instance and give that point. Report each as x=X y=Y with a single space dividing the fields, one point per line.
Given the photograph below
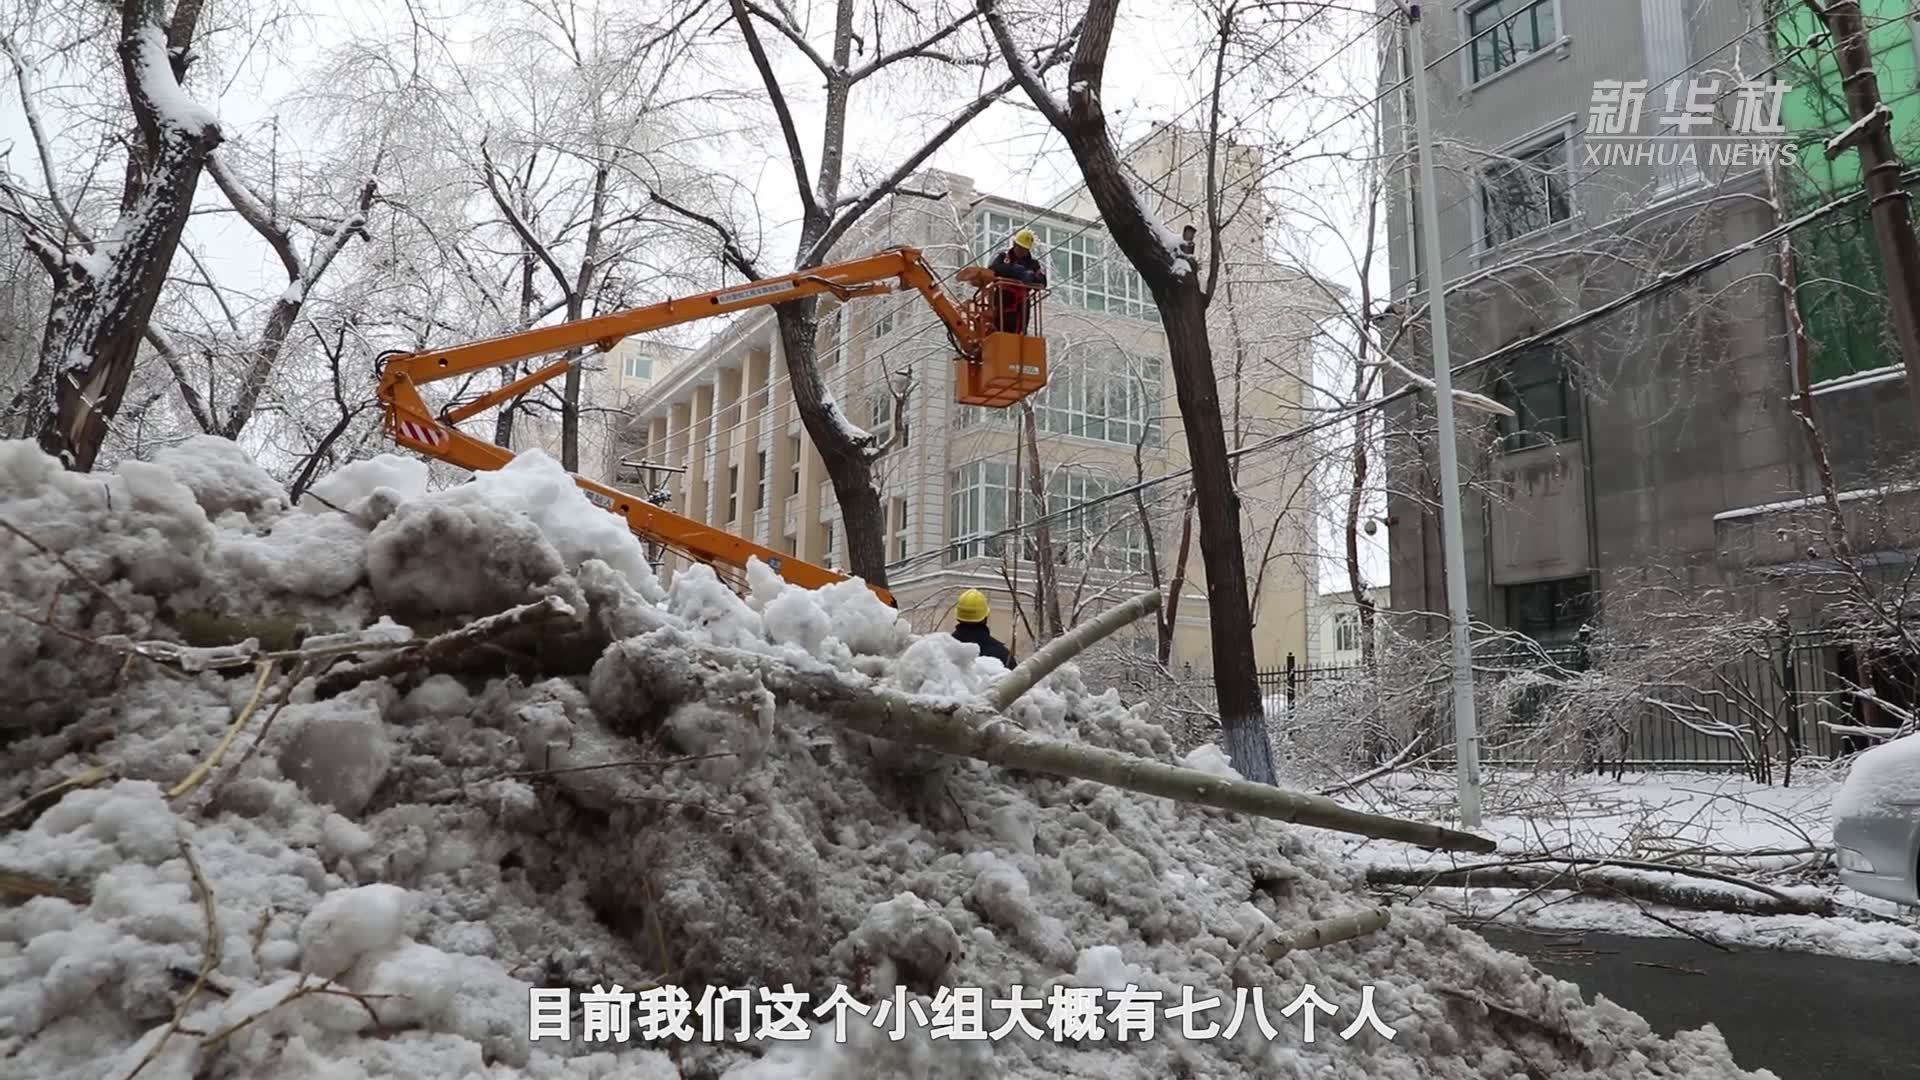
x=1013 y=357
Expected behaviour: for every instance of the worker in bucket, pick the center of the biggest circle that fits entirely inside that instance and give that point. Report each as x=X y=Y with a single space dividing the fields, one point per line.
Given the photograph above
x=970 y=626
x=1024 y=273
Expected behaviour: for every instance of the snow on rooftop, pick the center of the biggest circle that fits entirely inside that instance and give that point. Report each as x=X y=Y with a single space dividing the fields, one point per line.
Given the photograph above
x=373 y=881
x=1812 y=501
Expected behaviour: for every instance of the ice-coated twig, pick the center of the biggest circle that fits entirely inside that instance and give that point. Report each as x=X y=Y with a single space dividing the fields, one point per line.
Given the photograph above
x=1067 y=646
x=98 y=589
x=210 y=958
x=52 y=793
x=212 y=760
x=1327 y=931
x=416 y=654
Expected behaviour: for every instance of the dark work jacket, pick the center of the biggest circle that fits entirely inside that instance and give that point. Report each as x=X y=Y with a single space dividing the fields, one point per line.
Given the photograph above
x=1023 y=268
x=976 y=633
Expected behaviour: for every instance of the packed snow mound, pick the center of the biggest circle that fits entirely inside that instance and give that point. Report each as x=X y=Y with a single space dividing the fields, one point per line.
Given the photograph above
x=1883 y=782
x=372 y=882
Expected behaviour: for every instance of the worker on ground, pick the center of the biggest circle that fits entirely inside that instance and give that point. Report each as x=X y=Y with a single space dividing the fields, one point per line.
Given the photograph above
x=970 y=626
x=1017 y=266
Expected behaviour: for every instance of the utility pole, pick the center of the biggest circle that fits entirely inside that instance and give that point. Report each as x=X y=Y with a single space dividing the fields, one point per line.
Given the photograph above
x=1466 y=736
x=1880 y=167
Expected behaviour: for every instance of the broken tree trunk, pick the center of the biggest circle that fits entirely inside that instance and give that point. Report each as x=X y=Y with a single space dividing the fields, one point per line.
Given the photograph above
x=972 y=731
x=1064 y=648
x=1597 y=879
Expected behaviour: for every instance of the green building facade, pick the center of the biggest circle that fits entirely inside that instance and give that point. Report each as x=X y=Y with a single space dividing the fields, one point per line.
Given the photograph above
x=1842 y=292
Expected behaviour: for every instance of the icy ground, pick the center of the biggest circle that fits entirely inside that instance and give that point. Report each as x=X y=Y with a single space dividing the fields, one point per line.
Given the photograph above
x=371 y=880
x=1777 y=835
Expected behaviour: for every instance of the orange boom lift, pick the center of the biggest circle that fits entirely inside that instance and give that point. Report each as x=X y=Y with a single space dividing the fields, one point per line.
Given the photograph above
x=992 y=368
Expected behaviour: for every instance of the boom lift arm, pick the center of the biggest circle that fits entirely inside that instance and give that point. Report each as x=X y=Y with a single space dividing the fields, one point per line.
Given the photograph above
x=412 y=423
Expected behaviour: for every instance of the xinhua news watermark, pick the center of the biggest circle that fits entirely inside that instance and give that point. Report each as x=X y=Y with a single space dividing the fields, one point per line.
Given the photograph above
x=1679 y=127
x=1064 y=1014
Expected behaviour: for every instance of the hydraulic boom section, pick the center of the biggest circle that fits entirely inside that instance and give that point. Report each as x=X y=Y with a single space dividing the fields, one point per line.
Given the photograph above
x=992 y=368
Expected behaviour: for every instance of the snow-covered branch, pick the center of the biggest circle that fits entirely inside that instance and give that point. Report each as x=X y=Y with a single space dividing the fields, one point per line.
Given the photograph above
x=255 y=212
x=1028 y=77
x=789 y=28
x=923 y=47
x=23 y=72
x=1477 y=402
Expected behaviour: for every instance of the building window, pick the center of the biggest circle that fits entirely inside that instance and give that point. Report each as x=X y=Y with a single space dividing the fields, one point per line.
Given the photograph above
x=979 y=497
x=760 y=475
x=883 y=319
x=1505 y=32
x=1531 y=189
x=1346 y=631
x=826 y=529
x=1106 y=395
x=1550 y=610
x=899 y=528
x=1084 y=268
x=793 y=452
x=1543 y=401
x=733 y=492
x=638 y=367
x=793 y=544
x=1104 y=536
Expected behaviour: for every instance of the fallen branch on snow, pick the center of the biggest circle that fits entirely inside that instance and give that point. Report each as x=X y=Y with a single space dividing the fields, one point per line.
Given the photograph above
x=1592 y=877
x=972 y=731
x=1067 y=646
x=219 y=751
x=1327 y=931
x=54 y=792
x=438 y=650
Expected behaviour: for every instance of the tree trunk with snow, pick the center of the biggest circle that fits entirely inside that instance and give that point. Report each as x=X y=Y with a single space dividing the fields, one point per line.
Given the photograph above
x=1174 y=280
x=104 y=298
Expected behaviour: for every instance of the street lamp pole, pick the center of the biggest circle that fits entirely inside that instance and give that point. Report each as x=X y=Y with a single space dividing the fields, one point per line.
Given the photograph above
x=1466 y=735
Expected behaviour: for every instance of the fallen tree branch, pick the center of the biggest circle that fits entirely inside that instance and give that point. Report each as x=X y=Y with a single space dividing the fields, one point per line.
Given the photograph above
x=98 y=589
x=210 y=958
x=414 y=655
x=1327 y=931
x=54 y=792
x=212 y=760
x=1067 y=646
x=22 y=885
x=971 y=731
x=1590 y=877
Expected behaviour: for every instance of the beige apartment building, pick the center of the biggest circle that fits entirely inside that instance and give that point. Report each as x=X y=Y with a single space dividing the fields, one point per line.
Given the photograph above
x=957 y=516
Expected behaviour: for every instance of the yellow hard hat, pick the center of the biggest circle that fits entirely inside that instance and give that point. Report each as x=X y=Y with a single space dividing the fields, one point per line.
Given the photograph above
x=1024 y=238
x=972 y=606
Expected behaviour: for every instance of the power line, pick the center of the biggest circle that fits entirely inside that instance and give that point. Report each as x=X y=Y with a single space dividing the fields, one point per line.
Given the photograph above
x=1533 y=341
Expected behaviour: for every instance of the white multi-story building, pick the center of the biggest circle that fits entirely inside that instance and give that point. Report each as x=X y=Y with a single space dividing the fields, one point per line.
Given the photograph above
x=1108 y=416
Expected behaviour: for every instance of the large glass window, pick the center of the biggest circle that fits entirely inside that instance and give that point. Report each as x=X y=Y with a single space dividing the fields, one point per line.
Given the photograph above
x=978 y=498
x=1526 y=193
x=1505 y=32
x=1083 y=267
x=1103 y=394
x=1106 y=536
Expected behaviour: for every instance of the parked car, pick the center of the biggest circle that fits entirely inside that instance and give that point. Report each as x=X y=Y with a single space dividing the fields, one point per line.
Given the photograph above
x=1876 y=822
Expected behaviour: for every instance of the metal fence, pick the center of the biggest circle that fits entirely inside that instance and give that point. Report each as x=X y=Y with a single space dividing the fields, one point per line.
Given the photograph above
x=1771 y=706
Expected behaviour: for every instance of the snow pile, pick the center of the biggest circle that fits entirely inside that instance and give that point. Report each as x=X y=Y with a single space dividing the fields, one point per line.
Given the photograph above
x=370 y=883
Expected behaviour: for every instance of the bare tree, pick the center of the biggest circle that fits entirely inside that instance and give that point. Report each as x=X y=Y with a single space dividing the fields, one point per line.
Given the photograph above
x=1175 y=280
x=827 y=211
x=104 y=292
